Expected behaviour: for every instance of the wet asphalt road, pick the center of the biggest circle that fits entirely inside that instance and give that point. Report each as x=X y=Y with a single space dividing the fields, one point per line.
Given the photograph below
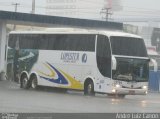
x=44 y=100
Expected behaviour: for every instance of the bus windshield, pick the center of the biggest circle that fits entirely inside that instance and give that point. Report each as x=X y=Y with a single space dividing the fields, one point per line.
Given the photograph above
x=128 y=46
x=131 y=69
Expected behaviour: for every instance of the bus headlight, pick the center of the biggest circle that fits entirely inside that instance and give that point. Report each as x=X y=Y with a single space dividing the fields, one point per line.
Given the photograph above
x=146 y=92
x=113 y=90
x=144 y=87
x=117 y=86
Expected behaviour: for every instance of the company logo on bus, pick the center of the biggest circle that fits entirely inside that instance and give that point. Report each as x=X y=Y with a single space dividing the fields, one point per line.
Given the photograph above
x=70 y=57
x=84 y=58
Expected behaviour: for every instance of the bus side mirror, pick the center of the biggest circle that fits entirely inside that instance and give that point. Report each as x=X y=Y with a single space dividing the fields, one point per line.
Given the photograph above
x=114 y=63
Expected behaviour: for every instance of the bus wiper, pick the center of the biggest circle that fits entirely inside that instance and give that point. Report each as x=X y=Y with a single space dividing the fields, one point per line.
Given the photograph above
x=126 y=77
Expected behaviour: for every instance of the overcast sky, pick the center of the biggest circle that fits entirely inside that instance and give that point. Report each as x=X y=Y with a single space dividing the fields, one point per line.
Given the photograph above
x=146 y=4
x=130 y=7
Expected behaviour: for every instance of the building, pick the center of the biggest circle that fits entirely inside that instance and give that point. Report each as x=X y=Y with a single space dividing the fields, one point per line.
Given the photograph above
x=85 y=9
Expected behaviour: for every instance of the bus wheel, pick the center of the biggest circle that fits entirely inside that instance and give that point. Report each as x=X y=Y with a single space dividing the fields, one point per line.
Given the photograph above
x=34 y=82
x=89 y=88
x=24 y=82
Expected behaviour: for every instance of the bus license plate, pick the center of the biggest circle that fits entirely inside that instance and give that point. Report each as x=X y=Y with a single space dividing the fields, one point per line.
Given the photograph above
x=131 y=92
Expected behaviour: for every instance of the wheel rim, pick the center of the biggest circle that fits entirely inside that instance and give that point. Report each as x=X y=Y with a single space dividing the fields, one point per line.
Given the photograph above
x=34 y=83
x=24 y=82
x=89 y=89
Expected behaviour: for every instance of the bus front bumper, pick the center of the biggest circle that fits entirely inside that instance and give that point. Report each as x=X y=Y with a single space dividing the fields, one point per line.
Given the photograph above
x=129 y=91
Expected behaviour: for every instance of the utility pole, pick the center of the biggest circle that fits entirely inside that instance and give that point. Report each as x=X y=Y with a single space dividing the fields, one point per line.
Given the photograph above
x=33 y=10
x=33 y=6
x=16 y=5
x=107 y=13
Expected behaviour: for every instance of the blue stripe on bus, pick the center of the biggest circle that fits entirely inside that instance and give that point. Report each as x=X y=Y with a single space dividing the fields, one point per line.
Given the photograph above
x=61 y=79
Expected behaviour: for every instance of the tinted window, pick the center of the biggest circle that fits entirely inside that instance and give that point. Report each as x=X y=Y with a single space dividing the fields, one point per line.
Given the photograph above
x=26 y=41
x=12 y=41
x=71 y=42
x=104 y=56
x=128 y=46
x=74 y=42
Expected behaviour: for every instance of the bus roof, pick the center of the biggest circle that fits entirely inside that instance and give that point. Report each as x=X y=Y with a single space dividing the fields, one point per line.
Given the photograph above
x=77 y=31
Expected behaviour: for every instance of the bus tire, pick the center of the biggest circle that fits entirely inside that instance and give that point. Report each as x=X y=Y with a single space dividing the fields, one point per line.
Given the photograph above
x=34 y=82
x=89 y=88
x=24 y=82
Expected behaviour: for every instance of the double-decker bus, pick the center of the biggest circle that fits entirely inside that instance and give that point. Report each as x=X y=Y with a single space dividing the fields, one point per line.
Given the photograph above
x=95 y=61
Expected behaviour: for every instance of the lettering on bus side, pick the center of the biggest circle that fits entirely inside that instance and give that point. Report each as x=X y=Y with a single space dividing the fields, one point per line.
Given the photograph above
x=69 y=57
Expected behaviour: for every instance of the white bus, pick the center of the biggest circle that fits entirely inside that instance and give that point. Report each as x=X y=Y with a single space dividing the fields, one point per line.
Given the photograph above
x=94 y=61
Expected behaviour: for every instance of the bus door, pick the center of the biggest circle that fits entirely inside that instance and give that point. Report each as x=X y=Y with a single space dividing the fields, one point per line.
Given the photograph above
x=103 y=61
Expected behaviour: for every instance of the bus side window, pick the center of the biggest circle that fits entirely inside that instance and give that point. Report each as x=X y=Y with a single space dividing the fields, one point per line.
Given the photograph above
x=81 y=42
x=104 y=56
x=12 y=41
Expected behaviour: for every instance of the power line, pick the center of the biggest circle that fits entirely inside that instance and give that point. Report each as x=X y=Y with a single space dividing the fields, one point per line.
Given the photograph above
x=94 y=8
x=139 y=13
x=96 y=3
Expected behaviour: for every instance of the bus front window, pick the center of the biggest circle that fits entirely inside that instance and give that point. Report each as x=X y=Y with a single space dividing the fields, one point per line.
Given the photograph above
x=128 y=46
